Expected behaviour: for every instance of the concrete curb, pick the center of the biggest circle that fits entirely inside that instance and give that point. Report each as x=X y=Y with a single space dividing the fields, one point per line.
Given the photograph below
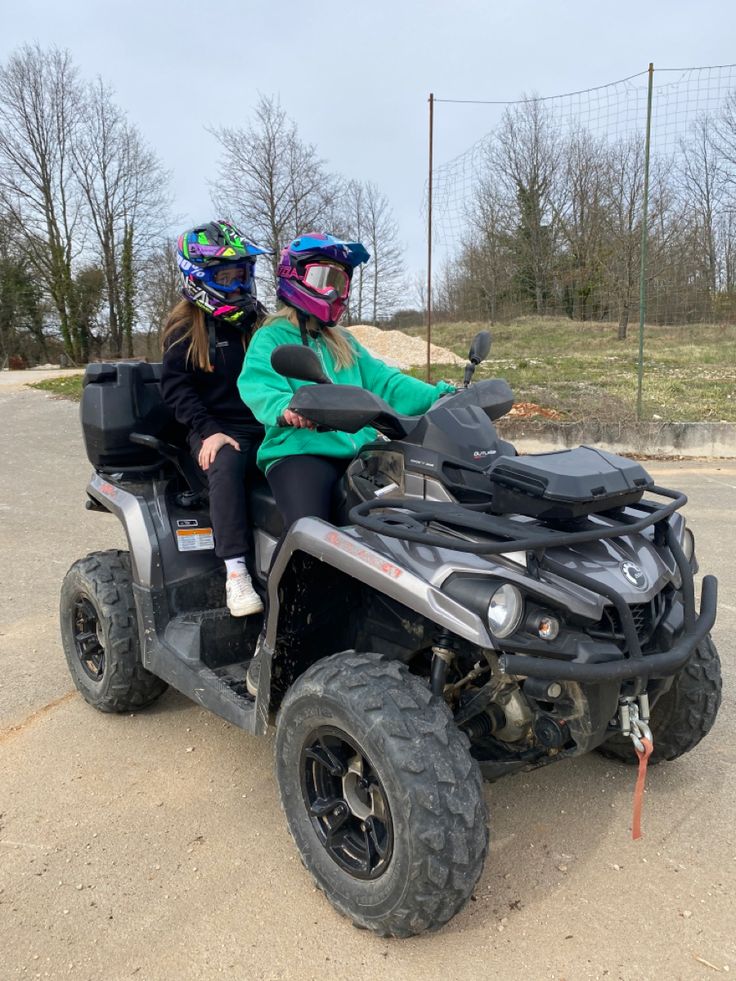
x=686 y=439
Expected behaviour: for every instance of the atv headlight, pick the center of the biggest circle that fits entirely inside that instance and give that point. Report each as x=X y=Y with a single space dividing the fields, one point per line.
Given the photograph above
x=505 y=611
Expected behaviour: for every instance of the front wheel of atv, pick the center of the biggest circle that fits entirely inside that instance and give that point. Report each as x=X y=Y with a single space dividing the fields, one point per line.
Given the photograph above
x=99 y=632
x=381 y=794
x=683 y=715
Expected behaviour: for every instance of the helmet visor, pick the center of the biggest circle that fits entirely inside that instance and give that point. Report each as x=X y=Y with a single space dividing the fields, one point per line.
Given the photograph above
x=232 y=277
x=326 y=278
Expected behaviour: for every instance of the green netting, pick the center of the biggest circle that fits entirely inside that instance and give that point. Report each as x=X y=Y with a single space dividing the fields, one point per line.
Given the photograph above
x=542 y=215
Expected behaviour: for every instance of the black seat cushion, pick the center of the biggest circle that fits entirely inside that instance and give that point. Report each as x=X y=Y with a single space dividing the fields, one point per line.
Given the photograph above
x=264 y=513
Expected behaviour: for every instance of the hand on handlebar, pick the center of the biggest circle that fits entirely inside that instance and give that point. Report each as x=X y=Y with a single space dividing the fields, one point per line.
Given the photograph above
x=291 y=418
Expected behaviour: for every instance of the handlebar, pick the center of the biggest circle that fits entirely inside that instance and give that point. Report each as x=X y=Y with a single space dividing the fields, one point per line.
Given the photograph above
x=281 y=421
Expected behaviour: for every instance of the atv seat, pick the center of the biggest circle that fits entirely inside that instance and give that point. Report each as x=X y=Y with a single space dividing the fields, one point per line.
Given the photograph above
x=263 y=510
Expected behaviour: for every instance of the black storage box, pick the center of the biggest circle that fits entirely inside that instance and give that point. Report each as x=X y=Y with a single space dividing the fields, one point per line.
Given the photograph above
x=566 y=485
x=119 y=399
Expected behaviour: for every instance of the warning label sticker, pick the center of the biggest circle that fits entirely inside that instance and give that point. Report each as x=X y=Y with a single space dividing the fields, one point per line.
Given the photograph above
x=194 y=539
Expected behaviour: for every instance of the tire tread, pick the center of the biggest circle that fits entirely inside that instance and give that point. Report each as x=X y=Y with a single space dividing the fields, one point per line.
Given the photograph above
x=448 y=826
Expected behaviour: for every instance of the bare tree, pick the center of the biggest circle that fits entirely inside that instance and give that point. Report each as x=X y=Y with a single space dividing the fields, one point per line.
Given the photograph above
x=125 y=188
x=385 y=274
x=580 y=214
x=485 y=262
x=162 y=292
x=21 y=303
x=40 y=101
x=624 y=203
x=352 y=223
x=527 y=158
x=702 y=184
x=270 y=181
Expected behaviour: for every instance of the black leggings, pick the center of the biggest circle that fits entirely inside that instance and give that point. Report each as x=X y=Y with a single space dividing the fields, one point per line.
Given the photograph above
x=227 y=477
x=303 y=486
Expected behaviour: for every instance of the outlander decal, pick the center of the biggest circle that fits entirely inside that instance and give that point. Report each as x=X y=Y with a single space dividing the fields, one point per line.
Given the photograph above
x=363 y=554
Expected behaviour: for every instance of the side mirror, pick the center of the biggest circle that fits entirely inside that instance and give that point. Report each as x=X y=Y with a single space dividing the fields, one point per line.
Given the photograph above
x=298 y=361
x=479 y=347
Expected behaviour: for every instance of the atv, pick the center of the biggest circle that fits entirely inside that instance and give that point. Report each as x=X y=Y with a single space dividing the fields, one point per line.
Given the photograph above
x=468 y=613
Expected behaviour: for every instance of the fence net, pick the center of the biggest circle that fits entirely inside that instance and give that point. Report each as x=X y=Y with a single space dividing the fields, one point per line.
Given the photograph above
x=543 y=214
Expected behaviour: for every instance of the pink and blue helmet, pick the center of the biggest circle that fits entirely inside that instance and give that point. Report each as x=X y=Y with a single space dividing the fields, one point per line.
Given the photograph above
x=314 y=275
x=202 y=254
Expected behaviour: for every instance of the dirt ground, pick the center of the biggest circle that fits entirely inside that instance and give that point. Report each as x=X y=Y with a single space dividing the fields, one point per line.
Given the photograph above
x=17 y=380
x=153 y=846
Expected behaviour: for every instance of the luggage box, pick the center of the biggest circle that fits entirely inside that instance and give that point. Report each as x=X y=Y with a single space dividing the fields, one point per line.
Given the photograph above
x=119 y=399
x=566 y=485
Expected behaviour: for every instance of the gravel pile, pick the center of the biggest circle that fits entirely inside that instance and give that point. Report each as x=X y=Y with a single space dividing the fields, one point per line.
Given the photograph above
x=401 y=350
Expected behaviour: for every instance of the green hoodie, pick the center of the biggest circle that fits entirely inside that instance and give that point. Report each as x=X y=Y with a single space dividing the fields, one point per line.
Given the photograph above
x=268 y=394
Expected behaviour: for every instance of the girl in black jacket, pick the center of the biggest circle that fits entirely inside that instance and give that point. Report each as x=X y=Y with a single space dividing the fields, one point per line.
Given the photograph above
x=204 y=344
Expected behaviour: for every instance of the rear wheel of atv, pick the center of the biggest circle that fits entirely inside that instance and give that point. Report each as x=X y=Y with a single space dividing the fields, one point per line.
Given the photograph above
x=99 y=632
x=381 y=794
x=683 y=715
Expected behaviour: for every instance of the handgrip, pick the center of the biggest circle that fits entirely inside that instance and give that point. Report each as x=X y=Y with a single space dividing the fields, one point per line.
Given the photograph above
x=281 y=421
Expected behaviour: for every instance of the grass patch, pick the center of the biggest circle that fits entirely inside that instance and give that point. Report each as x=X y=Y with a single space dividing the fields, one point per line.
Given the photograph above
x=583 y=371
x=67 y=387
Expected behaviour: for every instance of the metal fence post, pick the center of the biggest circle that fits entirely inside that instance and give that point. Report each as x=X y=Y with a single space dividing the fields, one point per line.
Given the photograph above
x=644 y=246
x=429 y=238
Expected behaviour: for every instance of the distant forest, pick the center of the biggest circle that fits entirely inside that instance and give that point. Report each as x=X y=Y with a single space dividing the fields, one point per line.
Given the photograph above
x=550 y=225
x=87 y=253
x=553 y=225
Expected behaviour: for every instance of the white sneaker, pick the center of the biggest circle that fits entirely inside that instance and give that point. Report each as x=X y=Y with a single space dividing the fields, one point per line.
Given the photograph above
x=242 y=599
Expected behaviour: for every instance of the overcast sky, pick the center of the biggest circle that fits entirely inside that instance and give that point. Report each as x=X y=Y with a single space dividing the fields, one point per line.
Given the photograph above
x=355 y=77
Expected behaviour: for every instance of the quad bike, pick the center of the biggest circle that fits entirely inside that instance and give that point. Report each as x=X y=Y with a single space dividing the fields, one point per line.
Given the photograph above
x=468 y=613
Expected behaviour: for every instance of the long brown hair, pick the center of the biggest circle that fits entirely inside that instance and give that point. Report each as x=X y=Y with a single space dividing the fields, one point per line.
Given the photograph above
x=336 y=339
x=188 y=322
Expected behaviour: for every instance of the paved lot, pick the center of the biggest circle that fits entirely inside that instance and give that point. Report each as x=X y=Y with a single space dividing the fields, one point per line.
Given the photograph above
x=153 y=847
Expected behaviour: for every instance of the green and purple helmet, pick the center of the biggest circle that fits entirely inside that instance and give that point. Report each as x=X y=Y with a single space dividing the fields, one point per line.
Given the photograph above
x=217 y=265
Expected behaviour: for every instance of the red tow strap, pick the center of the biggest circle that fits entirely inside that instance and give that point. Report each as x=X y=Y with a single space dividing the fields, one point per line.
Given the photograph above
x=643 y=755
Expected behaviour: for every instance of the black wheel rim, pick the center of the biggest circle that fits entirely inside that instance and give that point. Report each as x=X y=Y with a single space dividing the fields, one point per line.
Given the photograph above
x=88 y=639
x=346 y=803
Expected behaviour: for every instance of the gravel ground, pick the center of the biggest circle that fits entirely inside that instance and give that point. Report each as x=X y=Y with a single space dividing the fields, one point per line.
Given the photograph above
x=153 y=847
x=400 y=349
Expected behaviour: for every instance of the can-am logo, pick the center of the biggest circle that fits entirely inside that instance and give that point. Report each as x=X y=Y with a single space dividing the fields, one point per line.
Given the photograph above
x=477 y=454
x=634 y=575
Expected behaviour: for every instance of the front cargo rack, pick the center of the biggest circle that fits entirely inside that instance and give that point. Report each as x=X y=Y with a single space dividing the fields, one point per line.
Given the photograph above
x=441 y=524
x=409 y=518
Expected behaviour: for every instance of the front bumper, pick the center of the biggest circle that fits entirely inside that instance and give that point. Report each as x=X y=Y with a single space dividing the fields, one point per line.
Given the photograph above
x=633 y=665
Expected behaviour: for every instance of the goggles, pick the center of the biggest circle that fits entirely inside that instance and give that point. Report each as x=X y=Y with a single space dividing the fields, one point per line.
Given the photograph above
x=231 y=276
x=325 y=278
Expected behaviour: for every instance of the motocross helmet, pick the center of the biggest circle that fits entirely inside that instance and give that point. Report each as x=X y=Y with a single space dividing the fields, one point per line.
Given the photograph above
x=314 y=275
x=217 y=265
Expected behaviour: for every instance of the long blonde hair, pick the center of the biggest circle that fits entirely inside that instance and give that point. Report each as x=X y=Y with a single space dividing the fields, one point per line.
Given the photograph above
x=336 y=339
x=188 y=321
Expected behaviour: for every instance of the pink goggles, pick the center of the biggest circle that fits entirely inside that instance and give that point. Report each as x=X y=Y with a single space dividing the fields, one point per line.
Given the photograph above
x=325 y=279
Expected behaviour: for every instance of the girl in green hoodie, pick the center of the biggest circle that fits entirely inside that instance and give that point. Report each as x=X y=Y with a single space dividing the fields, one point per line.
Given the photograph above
x=301 y=464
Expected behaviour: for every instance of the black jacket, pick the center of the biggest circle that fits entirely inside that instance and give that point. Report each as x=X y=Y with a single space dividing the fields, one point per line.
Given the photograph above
x=208 y=402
